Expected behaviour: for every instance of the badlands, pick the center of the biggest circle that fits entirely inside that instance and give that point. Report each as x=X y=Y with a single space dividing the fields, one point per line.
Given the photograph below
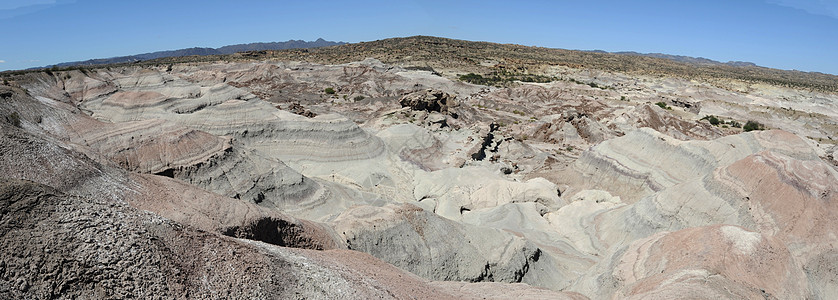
x=418 y=168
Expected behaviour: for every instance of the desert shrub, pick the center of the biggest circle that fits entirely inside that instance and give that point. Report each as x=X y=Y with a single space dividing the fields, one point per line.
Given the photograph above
x=661 y=104
x=501 y=78
x=329 y=91
x=474 y=78
x=14 y=119
x=358 y=98
x=753 y=125
x=425 y=68
x=712 y=119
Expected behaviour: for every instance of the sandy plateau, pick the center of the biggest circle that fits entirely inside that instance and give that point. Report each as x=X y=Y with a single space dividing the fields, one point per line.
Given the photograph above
x=288 y=179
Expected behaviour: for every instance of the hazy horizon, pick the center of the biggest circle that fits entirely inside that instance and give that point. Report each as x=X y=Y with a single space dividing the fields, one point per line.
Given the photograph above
x=783 y=34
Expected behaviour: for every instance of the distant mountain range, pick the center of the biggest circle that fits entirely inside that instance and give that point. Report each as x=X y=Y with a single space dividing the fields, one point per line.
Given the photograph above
x=291 y=44
x=684 y=59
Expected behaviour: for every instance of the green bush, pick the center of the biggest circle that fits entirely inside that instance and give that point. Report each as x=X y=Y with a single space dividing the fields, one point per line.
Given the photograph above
x=663 y=105
x=500 y=78
x=358 y=98
x=753 y=125
x=329 y=91
x=474 y=78
x=712 y=119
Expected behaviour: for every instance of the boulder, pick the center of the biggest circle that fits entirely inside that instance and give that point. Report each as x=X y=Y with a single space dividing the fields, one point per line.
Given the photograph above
x=429 y=100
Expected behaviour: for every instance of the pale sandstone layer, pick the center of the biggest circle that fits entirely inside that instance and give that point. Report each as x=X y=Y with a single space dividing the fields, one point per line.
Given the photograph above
x=562 y=185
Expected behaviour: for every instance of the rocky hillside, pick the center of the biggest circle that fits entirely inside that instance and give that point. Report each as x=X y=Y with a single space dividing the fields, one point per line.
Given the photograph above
x=455 y=56
x=199 y=51
x=370 y=171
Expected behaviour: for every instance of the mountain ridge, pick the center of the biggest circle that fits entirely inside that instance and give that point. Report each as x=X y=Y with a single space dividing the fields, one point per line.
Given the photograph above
x=202 y=51
x=690 y=59
x=473 y=56
x=462 y=56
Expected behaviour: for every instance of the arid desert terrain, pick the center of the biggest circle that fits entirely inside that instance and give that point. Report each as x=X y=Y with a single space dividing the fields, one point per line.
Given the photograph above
x=418 y=168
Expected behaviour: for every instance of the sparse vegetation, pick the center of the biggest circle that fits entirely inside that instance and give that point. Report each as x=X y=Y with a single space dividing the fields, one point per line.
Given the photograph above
x=753 y=125
x=437 y=52
x=590 y=84
x=329 y=91
x=663 y=105
x=466 y=55
x=474 y=78
x=502 y=77
x=358 y=98
x=425 y=68
x=13 y=119
x=712 y=119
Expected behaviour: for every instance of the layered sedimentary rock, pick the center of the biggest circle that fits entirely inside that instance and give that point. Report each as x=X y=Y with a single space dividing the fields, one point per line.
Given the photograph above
x=781 y=190
x=721 y=261
x=70 y=171
x=429 y=100
x=645 y=161
x=433 y=247
x=581 y=184
x=69 y=246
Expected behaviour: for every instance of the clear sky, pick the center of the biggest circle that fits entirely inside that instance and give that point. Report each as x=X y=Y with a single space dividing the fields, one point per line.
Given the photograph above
x=785 y=34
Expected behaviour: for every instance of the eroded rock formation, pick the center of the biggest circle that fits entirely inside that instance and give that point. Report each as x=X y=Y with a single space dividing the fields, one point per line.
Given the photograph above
x=250 y=180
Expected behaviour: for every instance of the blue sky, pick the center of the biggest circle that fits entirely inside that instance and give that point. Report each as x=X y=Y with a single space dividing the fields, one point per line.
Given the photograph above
x=785 y=34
